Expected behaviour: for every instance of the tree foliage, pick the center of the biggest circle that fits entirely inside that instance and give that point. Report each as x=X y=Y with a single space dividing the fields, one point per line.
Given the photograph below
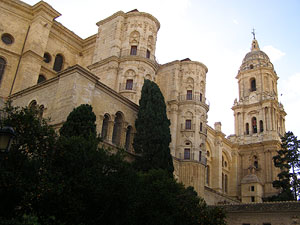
x=288 y=160
x=70 y=180
x=80 y=122
x=153 y=135
x=22 y=169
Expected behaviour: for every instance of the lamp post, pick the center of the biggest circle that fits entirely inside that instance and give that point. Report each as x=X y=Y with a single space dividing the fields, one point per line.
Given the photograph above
x=6 y=136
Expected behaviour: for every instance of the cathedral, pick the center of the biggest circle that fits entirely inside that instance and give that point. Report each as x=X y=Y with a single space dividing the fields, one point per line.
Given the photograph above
x=44 y=64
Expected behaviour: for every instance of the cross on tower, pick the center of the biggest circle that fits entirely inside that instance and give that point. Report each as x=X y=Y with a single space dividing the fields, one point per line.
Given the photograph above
x=253 y=32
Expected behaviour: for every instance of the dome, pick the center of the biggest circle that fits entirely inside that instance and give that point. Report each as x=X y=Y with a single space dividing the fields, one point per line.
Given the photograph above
x=256 y=58
x=250 y=178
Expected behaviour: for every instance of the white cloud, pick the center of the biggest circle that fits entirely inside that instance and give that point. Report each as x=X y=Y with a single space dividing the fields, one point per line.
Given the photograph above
x=290 y=98
x=274 y=53
x=235 y=22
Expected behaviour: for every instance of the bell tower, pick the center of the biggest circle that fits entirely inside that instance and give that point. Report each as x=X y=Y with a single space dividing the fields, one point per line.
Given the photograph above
x=259 y=121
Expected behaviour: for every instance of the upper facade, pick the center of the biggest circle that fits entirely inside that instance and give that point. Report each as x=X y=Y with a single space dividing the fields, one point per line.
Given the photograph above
x=43 y=63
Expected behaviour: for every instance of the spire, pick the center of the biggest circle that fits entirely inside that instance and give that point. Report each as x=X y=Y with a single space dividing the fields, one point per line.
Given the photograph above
x=254 y=46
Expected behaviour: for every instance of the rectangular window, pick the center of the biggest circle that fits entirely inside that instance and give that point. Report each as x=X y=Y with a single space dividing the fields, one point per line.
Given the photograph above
x=188 y=124
x=200 y=156
x=252 y=199
x=201 y=126
x=200 y=97
x=189 y=95
x=148 y=54
x=187 y=153
x=133 y=50
x=129 y=84
x=252 y=188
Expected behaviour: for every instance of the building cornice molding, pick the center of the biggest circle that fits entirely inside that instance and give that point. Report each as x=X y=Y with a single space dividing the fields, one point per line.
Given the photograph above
x=127 y=15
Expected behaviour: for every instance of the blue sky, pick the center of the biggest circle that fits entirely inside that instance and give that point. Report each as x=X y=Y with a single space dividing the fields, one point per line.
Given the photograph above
x=216 y=33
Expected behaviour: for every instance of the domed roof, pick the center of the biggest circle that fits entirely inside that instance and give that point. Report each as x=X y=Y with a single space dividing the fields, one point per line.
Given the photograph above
x=250 y=178
x=255 y=58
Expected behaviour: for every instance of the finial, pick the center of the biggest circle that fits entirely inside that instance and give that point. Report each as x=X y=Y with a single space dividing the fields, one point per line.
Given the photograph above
x=253 y=32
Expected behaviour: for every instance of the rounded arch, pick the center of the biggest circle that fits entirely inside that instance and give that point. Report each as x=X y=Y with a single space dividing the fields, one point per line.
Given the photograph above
x=150 y=42
x=41 y=78
x=58 y=62
x=188 y=114
x=129 y=130
x=130 y=73
x=252 y=84
x=2 y=67
x=47 y=57
x=104 y=130
x=32 y=104
x=254 y=124
x=208 y=146
x=148 y=77
x=117 y=130
x=134 y=38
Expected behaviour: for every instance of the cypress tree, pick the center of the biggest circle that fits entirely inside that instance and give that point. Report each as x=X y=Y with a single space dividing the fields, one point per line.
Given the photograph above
x=153 y=135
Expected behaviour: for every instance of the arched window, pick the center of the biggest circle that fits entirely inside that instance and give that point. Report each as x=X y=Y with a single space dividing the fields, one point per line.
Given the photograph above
x=226 y=183
x=33 y=105
x=116 y=137
x=254 y=125
x=47 y=57
x=255 y=161
x=2 y=67
x=253 y=84
x=261 y=126
x=41 y=78
x=207 y=175
x=223 y=182
x=128 y=138
x=41 y=111
x=58 y=63
x=105 y=127
x=247 y=128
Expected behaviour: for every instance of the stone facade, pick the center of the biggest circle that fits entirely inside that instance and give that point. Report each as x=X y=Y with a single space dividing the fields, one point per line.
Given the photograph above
x=48 y=65
x=280 y=213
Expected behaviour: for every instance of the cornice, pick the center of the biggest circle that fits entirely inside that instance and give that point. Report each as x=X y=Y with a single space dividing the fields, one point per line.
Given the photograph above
x=181 y=63
x=127 y=15
x=151 y=63
x=44 y=6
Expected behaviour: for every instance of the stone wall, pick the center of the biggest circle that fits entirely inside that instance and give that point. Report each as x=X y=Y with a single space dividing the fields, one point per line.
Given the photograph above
x=272 y=213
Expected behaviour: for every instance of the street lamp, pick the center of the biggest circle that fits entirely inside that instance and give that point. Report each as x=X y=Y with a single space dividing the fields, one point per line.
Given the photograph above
x=6 y=136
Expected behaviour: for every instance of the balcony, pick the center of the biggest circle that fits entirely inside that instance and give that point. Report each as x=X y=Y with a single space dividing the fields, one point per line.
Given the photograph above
x=185 y=127
x=139 y=53
x=127 y=87
x=193 y=99
x=202 y=160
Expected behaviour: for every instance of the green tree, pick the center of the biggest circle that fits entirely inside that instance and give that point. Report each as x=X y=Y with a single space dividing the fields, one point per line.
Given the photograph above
x=22 y=169
x=80 y=122
x=287 y=160
x=153 y=136
x=160 y=200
